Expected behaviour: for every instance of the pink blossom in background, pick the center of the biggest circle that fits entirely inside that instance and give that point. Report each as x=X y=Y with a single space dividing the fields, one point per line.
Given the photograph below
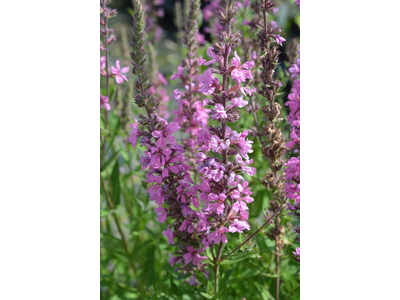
x=279 y=39
x=102 y=66
x=295 y=69
x=119 y=73
x=162 y=79
x=169 y=235
x=158 y=33
x=201 y=39
x=135 y=133
x=104 y=102
x=160 y=12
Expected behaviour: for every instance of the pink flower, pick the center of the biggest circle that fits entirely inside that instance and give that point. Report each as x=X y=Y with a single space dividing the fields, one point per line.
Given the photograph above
x=219 y=112
x=279 y=39
x=160 y=12
x=298 y=3
x=118 y=73
x=186 y=226
x=134 y=134
x=162 y=79
x=102 y=66
x=168 y=233
x=173 y=260
x=193 y=256
x=239 y=226
x=243 y=164
x=158 y=157
x=295 y=139
x=104 y=102
x=275 y=25
x=241 y=72
x=158 y=33
x=208 y=83
x=166 y=135
x=193 y=280
x=218 y=235
x=177 y=74
x=212 y=55
x=246 y=91
x=218 y=144
x=201 y=39
x=219 y=206
x=239 y=102
x=297 y=252
x=295 y=69
x=201 y=61
x=161 y=214
x=176 y=94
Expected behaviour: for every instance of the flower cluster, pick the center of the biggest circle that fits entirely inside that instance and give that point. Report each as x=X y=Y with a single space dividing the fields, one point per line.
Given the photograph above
x=108 y=37
x=171 y=186
x=223 y=158
x=292 y=184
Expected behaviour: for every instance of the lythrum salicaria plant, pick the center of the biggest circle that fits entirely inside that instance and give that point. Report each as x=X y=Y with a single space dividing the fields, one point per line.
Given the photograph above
x=202 y=214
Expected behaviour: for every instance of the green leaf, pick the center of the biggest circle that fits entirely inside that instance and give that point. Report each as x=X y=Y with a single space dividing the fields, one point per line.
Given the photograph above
x=238 y=257
x=208 y=296
x=175 y=289
x=103 y=213
x=115 y=184
x=109 y=161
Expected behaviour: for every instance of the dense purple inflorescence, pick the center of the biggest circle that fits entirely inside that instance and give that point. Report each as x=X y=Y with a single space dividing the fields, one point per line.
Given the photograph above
x=292 y=184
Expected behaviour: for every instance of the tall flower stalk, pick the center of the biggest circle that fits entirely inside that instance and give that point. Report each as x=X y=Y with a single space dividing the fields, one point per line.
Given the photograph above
x=171 y=186
x=272 y=141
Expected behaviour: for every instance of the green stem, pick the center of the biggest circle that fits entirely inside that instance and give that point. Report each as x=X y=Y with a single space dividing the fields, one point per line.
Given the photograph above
x=216 y=268
x=110 y=204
